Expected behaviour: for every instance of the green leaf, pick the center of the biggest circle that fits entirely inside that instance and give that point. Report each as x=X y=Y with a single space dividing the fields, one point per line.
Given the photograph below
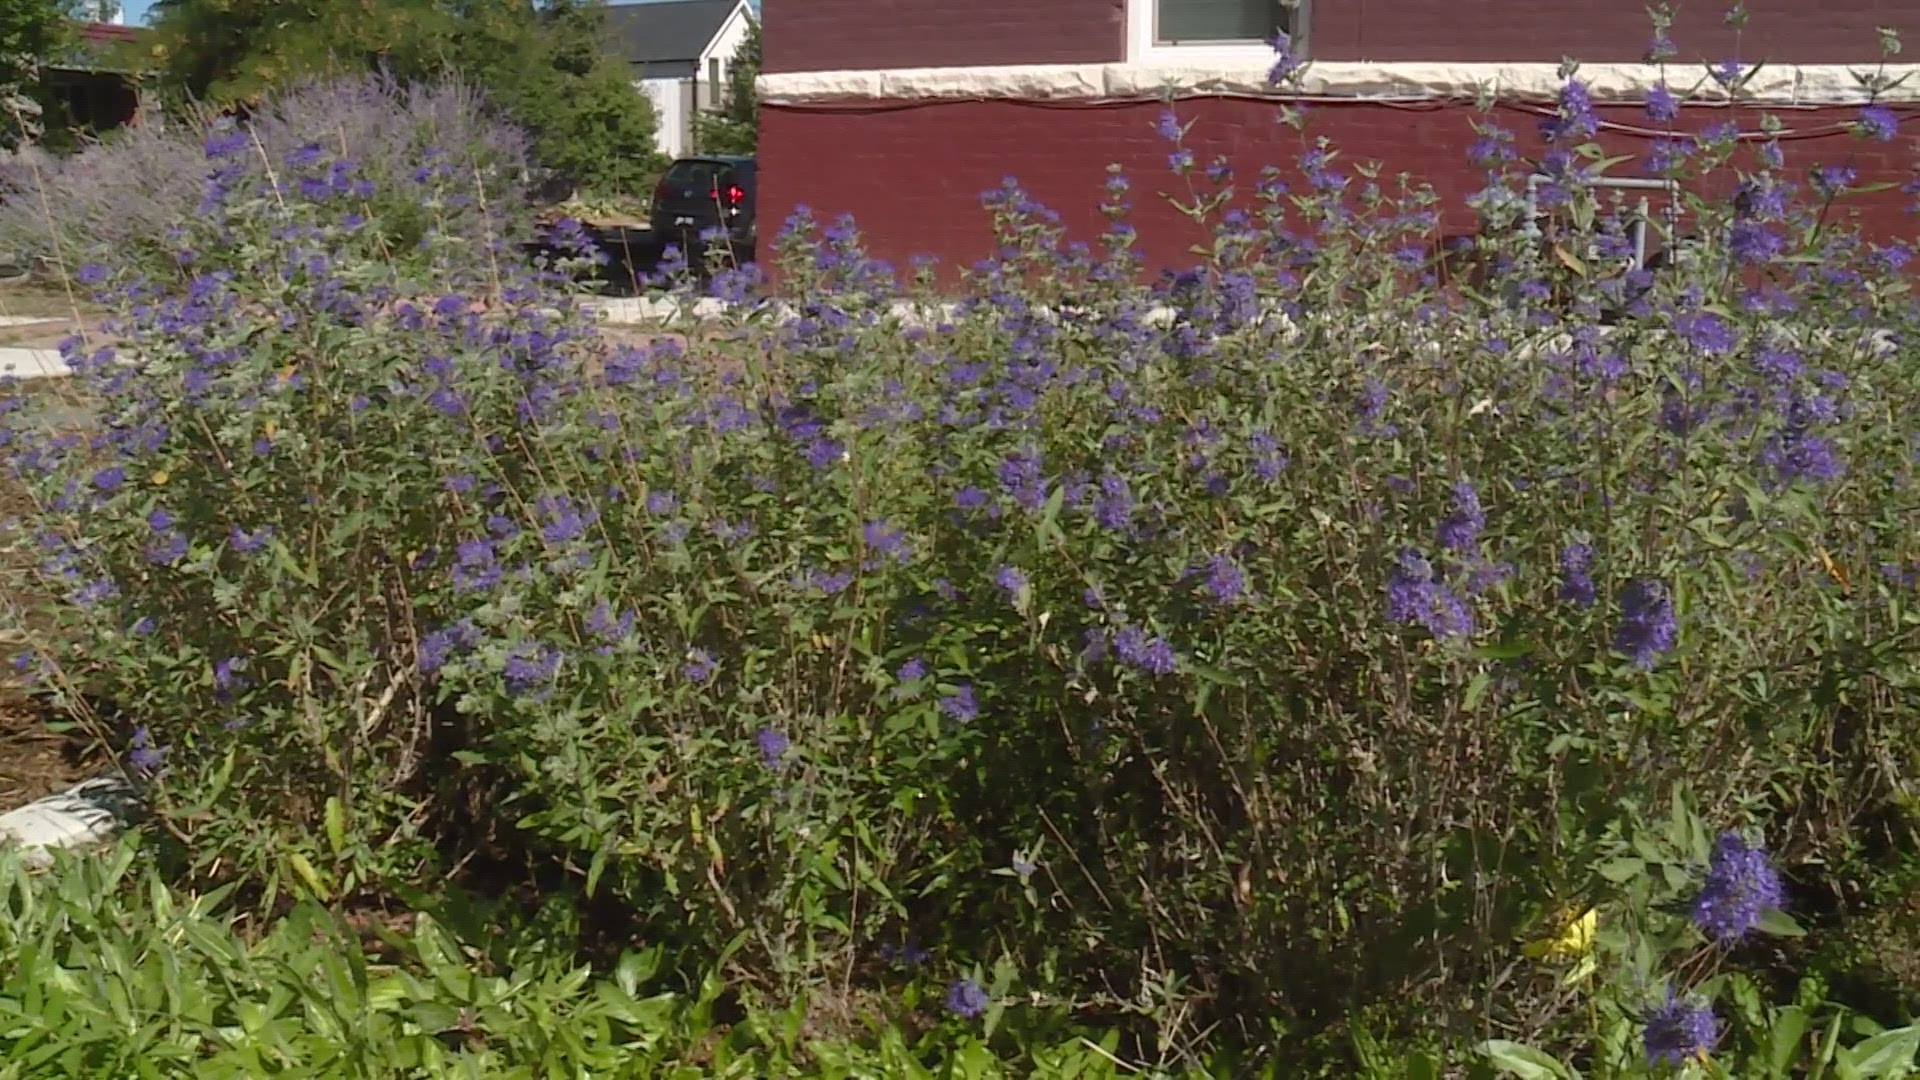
x=284 y=559
x=1516 y=1059
x=1622 y=870
x=1476 y=690
x=1420 y=1065
x=1785 y=1033
x=336 y=824
x=1780 y=924
x=1506 y=650
x=1890 y=1053
x=1049 y=524
x=598 y=867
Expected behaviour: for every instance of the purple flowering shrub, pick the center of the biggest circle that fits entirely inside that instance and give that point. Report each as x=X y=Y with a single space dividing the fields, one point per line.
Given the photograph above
x=1297 y=623
x=426 y=158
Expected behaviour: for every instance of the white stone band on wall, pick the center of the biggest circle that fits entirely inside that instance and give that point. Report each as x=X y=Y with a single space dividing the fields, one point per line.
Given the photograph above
x=1787 y=84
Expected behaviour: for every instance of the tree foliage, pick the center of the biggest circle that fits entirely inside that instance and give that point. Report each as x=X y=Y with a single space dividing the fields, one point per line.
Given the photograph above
x=550 y=69
x=544 y=66
x=30 y=32
x=232 y=52
x=734 y=128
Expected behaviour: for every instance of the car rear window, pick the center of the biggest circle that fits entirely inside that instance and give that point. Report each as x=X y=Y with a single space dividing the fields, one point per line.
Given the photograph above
x=698 y=174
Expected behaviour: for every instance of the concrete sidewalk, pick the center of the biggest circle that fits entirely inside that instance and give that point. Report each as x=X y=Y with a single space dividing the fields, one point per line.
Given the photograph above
x=28 y=362
x=32 y=364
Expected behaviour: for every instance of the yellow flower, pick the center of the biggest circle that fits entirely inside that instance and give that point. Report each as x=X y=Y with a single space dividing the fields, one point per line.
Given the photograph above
x=1835 y=571
x=1574 y=939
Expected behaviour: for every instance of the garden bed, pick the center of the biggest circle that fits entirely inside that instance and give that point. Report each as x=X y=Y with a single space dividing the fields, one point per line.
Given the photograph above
x=1295 y=666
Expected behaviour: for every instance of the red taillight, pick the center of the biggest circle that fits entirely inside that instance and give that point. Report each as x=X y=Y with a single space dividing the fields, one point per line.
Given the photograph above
x=735 y=195
x=660 y=191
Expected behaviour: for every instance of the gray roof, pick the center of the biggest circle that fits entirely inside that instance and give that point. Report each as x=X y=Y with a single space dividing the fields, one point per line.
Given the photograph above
x=660 y=33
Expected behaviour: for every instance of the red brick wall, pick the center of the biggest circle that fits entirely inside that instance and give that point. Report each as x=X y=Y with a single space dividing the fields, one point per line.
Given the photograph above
x=835 y=35
x=830 y=35
x=1779 y=31
x=912 y=177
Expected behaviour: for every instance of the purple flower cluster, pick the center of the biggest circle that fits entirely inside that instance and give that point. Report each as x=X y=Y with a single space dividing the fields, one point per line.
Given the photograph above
x=1460 y=530
x=960 y=705
x=1648 y=627
x=441 y=645
x=1679 y=1031
x=700 y=666
x=563 y=521
x=773 y=745
x=1225 y=581
x=608 y=628
x=1416 y=596
x=1662 y=106
x=1576 y=574
x=1741 y=887
x=477 y=566
x=1136 y=648
x=228 y=675
x=1023 y=479
x=246 y=543
x=967 y=999
x=143 y=754
x=168 y=544
x=1285 y=63
x=1879 y=123
x=1575 y=120
x=886 y=541
x=530 y=667
x=1113 y=505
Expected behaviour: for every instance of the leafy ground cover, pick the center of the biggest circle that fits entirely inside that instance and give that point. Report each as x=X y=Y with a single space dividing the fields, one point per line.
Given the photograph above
x=315 y=995
x=1299 y=666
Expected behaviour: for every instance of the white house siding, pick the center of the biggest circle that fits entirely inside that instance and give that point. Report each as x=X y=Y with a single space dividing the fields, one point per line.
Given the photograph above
x=720 y=50
x=679 y=89
x=669 y=97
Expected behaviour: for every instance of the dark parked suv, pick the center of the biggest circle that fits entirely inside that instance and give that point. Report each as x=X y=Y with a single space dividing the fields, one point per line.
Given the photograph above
x=702 y=193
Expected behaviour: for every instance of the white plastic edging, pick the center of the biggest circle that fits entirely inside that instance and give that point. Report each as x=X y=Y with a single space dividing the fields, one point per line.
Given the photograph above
x=86 y=814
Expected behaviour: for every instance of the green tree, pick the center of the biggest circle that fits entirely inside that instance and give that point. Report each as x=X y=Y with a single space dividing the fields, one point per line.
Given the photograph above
x=734 y=128
x=232 y=52
x=544 y=65
x=31 y=31
x=550 y=69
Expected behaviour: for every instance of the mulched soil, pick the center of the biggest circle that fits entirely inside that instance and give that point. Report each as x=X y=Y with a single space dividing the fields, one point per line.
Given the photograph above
x=27 y=298
x=35 y=761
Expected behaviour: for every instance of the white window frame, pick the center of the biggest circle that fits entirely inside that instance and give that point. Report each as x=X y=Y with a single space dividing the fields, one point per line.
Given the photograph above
x=1143 y=48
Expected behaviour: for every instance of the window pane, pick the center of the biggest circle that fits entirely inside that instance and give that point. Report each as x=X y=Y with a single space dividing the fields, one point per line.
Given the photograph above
x=1218 y=20
x=695 y=174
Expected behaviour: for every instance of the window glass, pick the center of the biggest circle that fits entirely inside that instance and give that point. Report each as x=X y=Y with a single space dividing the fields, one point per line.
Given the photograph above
x=1194 y=21
x=697 y=175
